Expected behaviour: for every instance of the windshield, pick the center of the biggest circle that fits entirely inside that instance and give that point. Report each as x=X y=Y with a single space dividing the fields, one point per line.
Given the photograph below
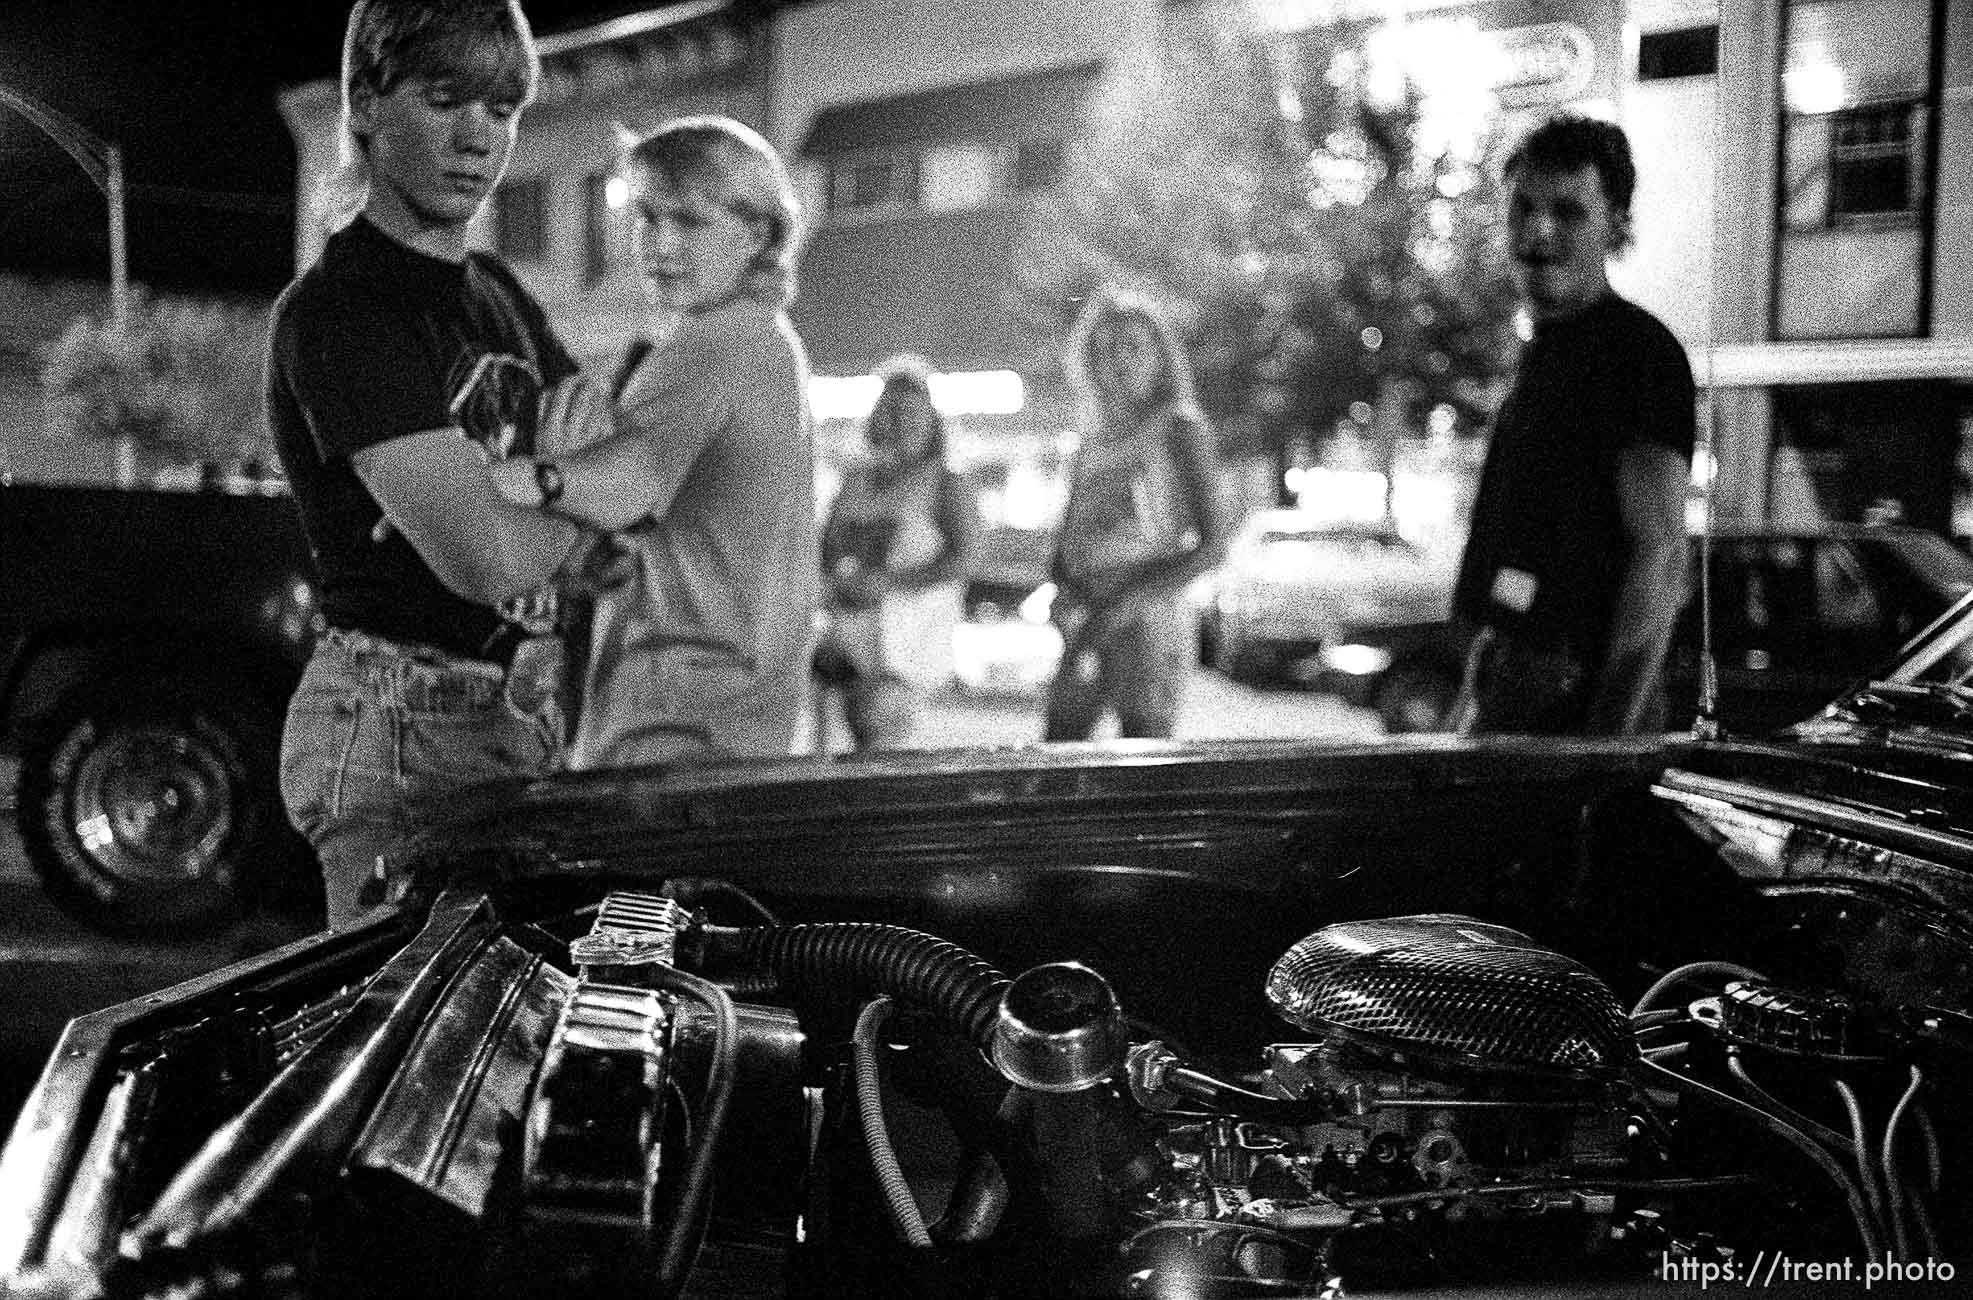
x=1941 y=655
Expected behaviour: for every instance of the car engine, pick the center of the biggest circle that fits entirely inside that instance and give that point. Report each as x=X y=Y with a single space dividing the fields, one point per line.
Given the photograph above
x=664 y=1105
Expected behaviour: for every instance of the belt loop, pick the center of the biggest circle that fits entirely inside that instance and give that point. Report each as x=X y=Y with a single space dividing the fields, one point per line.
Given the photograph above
x=389 y=675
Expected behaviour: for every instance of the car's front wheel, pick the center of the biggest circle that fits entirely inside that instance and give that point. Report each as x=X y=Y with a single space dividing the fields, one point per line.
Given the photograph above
x=152 y=807
x=1239 y=658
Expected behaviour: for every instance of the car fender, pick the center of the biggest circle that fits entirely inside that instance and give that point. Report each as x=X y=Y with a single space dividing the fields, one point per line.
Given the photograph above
x=44 y=668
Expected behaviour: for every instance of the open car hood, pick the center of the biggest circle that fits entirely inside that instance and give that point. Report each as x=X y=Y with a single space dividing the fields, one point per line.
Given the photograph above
x=642 y=1030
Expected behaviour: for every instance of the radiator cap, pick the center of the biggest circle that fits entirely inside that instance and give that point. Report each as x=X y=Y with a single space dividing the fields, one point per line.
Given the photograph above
x=1060 y=1029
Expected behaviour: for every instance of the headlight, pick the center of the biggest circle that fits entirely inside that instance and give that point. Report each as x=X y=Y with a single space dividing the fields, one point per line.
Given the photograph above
x=1036 y=606
x=1356 y=660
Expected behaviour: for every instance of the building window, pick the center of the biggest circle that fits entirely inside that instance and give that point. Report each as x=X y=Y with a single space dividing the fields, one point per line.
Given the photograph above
x=1859 y=88
x=959 y=177
x=1854 y=81
x=1685 y=52
x=1872 y=163
x=520 y=219
x=873 y=183
x=600 y=228
x=1037 y=163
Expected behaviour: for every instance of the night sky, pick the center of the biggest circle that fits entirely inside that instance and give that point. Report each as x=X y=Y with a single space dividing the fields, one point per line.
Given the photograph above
x=188 y=89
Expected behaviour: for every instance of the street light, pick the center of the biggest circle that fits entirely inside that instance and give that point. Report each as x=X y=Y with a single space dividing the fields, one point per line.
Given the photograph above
x=104 y=164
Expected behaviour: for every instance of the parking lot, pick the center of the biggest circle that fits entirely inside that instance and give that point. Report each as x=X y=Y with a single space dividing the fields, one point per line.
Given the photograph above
x=1214 y=709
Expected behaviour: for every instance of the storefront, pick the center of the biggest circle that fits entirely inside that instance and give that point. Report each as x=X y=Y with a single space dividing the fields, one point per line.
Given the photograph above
x=1842 y=376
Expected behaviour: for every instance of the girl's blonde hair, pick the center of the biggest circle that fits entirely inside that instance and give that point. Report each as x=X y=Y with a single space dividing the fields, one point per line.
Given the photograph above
x=1106 y=308
x=486 y=46
x=732 y=165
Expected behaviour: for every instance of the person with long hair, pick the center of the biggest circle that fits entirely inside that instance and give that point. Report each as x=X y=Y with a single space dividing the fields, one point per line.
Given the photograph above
x=704 y=465
x=407 y=695
x=1144 y=517
x=896 y=551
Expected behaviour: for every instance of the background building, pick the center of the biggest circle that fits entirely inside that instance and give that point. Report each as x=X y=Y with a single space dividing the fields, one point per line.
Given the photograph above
x=1805 y=212
x=1842 y=288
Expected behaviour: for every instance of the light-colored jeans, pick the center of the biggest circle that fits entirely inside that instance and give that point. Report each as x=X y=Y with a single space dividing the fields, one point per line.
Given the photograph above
x=378 y=735
x=1138 y=668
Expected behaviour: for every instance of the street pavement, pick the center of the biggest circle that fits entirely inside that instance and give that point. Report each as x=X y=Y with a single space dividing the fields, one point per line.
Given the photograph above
x=52 y=968
x=1213 y=709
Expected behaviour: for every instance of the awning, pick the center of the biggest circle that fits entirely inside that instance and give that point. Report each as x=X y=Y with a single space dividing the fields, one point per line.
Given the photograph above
x=1033 y=105
x=935 y=284
x=1846 y=361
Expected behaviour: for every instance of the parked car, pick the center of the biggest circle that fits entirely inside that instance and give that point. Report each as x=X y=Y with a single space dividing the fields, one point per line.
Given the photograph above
x=1532 y=1016
x=1005 y=644
x=1292 y=584
x=1797 y=614
x=149 y=641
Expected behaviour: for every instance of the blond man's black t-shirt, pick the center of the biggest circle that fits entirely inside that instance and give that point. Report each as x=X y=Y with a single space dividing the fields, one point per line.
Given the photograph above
x=1546 y=551
x=370 y=344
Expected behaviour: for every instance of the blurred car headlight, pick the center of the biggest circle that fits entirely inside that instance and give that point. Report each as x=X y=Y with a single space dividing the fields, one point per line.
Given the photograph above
x=1036 y=606
x=1011 y=655
x=1356 y=660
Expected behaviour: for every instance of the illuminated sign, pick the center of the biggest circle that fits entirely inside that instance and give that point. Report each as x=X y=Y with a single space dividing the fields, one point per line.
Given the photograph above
x=1548 y=63
x=1541 y=63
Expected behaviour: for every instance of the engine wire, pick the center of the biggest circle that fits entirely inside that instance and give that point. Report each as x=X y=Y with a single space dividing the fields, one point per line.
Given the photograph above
x=697 y=887
x=1895 y=1208
x=1762 y=1097
x=1860 y=1147
x=1781 y=1128
x=1691 y=970
x=1543 y=1185
x=1927 y=1233
x=1894 y=1189
x=1641 y=1020
x=1934 y=1166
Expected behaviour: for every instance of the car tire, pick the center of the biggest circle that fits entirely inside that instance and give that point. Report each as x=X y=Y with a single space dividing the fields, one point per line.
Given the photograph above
x=1237 y=658
x=152 y=807
x=1414 y=697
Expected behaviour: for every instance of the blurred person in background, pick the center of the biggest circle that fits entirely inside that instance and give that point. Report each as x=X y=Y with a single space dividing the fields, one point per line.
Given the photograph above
x=896 y=551
x=407 y=696
x=1144 y=518
x=1575 y=566
x=705 y=463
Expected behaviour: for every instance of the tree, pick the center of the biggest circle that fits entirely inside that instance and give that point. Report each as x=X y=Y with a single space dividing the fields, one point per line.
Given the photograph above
x=179 y=383
x=1327 y=244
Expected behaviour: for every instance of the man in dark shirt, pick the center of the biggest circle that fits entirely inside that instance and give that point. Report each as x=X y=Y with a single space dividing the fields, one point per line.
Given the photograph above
x=1574 y=570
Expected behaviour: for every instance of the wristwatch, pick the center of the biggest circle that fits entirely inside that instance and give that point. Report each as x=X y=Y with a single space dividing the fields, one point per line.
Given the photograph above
x=548 y=477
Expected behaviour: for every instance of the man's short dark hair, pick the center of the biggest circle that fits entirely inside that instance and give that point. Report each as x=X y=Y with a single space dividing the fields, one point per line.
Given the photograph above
x=1569 y=141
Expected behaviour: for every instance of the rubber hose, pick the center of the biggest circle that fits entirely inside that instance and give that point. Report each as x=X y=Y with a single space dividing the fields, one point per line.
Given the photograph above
x=978 y=1201
x=863 y=958
x=723 y=1069
x=910 y=1220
